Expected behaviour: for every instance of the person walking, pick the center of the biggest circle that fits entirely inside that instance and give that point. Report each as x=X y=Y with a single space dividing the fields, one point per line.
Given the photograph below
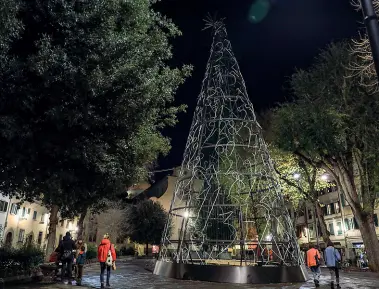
x=106 y=255
x=314 y=262
x=332 y=259
x=80 y=262
x=67 y=247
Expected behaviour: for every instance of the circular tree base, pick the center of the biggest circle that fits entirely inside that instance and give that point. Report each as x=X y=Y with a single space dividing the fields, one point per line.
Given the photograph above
x=232 y=274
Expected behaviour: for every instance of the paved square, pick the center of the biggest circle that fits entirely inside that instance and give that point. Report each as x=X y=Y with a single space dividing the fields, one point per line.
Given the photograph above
x=131 y=276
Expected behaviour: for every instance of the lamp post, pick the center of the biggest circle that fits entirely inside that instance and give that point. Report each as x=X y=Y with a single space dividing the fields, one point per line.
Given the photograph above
x=372 y=26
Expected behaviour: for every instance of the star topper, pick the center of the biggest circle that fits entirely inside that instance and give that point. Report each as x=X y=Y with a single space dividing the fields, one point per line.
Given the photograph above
x=213 y=22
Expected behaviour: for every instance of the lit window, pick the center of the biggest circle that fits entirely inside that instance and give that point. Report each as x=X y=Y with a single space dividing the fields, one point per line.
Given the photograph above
x=3 y=206
x=14 y=209
x=337 y=206
x=339 y=228
x=328 y=210
x=331 y=229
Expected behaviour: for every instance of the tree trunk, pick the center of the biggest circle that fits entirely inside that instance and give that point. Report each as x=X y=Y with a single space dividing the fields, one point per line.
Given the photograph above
x=363 y=215
x=52 y=231
x=370 y=240
x=321 y=222
x=81 y=224
x=147 y=249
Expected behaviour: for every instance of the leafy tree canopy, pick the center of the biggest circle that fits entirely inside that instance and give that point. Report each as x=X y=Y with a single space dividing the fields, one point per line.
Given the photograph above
x=84 y=98
x=299 y=180
x=333 y=121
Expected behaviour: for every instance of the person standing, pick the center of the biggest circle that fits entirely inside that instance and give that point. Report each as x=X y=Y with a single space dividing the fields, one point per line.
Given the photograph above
x=106 y=255
x=79 y=244
x=80 y=262
x=67 y=247
x=314 y=262
x=332 y=258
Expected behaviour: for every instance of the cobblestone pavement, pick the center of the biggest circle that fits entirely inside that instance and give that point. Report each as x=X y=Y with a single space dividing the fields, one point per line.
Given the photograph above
x=130 y=276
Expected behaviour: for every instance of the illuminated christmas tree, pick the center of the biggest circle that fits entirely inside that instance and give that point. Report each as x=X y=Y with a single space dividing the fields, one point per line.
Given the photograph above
x=227 y=205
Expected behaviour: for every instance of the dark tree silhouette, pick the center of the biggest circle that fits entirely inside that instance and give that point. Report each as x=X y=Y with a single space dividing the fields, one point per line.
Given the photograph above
x=145 y=223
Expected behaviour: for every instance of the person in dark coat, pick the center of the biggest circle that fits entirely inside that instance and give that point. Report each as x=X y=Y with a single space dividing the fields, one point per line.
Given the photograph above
x=67 y=247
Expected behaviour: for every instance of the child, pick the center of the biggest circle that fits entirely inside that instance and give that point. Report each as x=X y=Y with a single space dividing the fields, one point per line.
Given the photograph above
x=80 y=261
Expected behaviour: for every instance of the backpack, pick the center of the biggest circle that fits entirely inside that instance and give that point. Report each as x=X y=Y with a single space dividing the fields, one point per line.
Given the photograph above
x=109 y=260
x=67 y=254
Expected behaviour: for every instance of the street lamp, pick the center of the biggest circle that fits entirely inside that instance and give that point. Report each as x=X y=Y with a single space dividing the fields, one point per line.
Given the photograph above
x=296 y=176
x=372 y=26
x=324 y=177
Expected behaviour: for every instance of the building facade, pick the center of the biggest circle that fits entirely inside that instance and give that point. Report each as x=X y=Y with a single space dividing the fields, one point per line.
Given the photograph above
x=4 y=204
x=340 y=221
x=28 y=223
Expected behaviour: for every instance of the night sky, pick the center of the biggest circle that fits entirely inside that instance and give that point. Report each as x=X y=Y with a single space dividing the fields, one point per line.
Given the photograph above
x=268 y=52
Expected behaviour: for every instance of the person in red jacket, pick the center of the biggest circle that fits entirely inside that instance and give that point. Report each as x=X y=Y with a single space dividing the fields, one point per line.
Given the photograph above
x=106 y=254
x=313 y=262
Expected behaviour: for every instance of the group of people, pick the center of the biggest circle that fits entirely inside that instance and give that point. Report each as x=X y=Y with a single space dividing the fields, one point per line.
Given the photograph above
x=332 y=261
x=71 y=253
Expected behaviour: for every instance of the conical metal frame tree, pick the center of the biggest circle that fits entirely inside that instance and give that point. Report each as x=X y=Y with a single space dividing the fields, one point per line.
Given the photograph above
x=227 y=207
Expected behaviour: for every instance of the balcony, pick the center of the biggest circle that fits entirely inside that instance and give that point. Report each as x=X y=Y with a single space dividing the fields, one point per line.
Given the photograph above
x=328 y=198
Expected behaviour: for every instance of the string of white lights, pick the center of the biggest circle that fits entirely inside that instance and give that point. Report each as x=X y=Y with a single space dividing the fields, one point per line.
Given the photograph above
x=227 y=204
